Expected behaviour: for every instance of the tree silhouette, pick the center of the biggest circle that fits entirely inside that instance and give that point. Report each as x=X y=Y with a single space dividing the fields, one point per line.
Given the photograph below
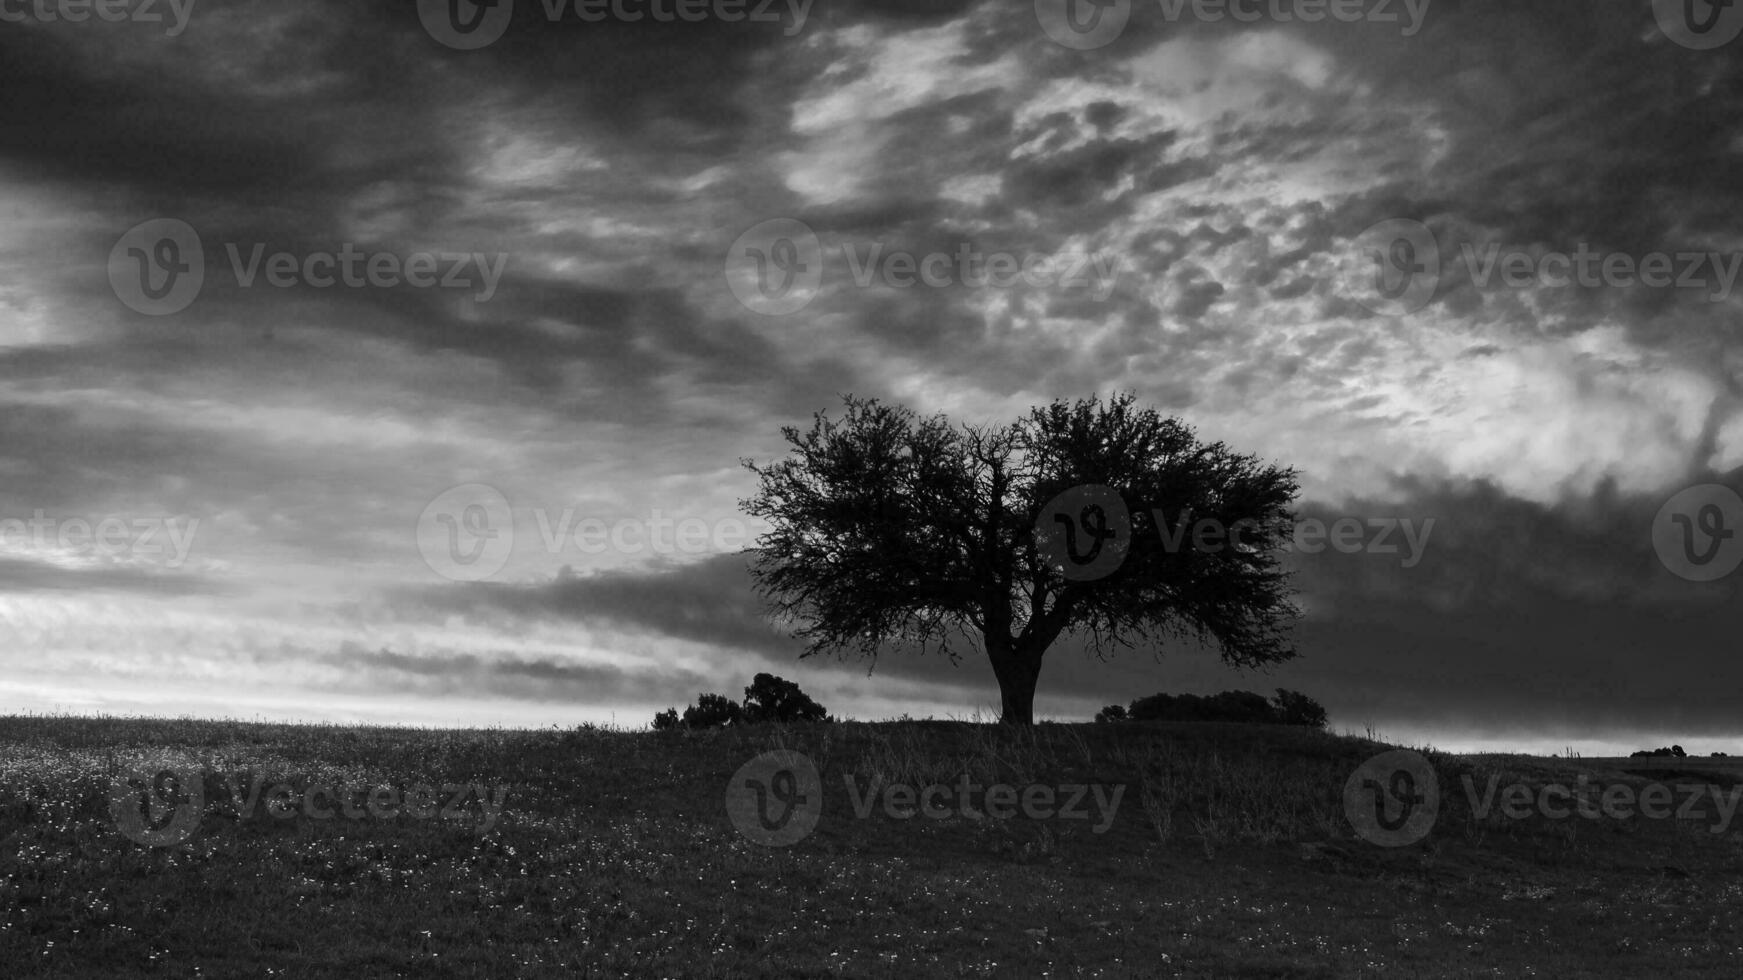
x=712 y=711
x=1245 y=707
x=892 y=530
x=771 y=698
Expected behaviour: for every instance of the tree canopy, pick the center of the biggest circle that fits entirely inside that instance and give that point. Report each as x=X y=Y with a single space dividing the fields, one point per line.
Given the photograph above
x=891 y=530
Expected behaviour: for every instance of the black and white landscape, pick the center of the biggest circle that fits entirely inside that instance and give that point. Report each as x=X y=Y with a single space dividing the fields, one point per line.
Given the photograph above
x=1294 y=446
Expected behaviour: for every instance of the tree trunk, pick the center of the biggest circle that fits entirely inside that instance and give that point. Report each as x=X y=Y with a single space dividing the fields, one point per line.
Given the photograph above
x=1017 y=675
x=1017 y=702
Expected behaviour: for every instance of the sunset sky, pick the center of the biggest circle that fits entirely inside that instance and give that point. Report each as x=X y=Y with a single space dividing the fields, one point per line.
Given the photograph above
x=1224 y=173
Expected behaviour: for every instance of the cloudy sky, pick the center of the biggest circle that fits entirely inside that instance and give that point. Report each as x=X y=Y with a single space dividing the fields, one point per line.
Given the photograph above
x=605 y=353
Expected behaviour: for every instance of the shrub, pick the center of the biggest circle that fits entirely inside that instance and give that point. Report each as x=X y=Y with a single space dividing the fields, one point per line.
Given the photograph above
x=770 y=698
x=1674 y=751
x=1296 y=708
x=712 y=711
x=1241 y=707
x=1244 y=707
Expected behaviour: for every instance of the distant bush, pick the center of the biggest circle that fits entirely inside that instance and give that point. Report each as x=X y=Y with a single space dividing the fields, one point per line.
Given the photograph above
x=1243 y=707
x=768 y=698
x=1299 y=709
x=1674 y=751
x=712 y=711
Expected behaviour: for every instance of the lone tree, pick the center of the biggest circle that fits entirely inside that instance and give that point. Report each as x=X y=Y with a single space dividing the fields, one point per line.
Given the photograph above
x=1101 y=519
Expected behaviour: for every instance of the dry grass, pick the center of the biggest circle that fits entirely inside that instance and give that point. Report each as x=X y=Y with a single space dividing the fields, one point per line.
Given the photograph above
x=613 y=856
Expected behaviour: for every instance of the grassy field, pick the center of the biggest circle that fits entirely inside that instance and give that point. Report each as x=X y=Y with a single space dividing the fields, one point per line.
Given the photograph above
x=612 y=854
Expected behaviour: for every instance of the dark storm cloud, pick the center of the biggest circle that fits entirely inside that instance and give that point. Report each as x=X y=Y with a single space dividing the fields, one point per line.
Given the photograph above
x=503 y=674
x=708 y=601
x=285 y=148
x=30 y=576
x=1226 y=168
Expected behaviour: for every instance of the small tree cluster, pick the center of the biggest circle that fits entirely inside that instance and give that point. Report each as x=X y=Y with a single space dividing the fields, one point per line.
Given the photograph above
x=1113 y=712
x=1674 y=751
x=1297 y=708
x=1245 y=707
x=768 y=698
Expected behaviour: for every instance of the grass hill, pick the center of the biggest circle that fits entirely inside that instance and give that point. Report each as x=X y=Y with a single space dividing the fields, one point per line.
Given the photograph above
x=613 y=854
